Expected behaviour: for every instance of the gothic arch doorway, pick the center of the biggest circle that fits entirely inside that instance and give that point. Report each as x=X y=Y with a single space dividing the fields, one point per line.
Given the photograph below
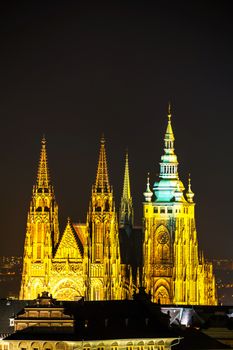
x=162 y=295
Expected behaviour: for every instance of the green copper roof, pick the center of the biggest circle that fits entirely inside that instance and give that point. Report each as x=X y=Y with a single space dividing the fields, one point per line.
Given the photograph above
x=169 y=187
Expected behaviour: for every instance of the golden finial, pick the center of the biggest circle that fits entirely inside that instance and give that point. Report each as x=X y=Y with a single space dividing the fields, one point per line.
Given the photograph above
x=148 y=193
x=43 y=141
x=169 y=111
x=148 y=181
x=189 y=193
x=102 y=138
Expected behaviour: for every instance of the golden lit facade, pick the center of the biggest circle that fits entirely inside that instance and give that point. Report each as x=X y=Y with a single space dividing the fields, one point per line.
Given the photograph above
x=52 y=262
x=85 y=260
x=126 y=208
x=102 y=259
x=173 y=269
x=104 y=263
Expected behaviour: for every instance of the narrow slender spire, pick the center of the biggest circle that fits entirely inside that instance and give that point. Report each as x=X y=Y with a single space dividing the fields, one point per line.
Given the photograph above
x=102 y=181
x=169 y=163
x=43 y=179
x=169 y=135
x=126 y=209
x=126 y=187
x=169 y=186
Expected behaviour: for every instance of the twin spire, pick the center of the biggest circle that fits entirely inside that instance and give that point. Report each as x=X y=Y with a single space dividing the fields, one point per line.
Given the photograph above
x=43 y=178
x=102 y=185
x=168 y=169
x=102 y=180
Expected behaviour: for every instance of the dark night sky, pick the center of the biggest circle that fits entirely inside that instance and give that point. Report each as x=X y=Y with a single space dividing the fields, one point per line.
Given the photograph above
x=72 y=70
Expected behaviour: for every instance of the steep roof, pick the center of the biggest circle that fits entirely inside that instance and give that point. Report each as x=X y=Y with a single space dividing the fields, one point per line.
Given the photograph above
x=70 y=242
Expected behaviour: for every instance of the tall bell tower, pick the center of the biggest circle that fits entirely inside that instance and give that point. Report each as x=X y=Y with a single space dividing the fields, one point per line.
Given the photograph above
x=172 y=269
x=104 y=266
x=42 y=232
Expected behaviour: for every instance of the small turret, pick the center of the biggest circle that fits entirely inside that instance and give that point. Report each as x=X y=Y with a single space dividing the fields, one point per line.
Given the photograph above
x=189 y=193
x=148 y=193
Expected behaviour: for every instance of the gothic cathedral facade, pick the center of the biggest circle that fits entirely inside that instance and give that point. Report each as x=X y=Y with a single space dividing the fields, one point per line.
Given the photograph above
x=88 y=260
x=85 y=260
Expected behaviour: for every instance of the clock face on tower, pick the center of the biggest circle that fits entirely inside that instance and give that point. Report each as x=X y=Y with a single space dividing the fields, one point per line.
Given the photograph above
x=163 y=238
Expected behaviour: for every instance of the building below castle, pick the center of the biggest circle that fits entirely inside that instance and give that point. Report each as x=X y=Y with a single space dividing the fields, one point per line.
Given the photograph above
x=136 y=324
x=107 y=258
x=86 y=325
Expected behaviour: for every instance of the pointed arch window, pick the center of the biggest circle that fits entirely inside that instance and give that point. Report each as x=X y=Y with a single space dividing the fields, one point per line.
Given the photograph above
x=161 y=246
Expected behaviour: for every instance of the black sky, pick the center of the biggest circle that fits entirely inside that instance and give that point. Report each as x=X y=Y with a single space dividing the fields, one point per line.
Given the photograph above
x=72 y=70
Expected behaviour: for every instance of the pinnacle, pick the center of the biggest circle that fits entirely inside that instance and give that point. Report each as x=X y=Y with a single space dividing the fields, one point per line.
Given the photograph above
x=126 y=207
x=169 y=135
x=169 y=111
x=102 y=140
x=102 y=181
x=126 y=187
x=148 y=193
x=43 y=180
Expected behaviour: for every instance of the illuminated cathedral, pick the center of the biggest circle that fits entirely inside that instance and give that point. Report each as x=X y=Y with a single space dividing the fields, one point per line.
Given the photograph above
x=108 y=258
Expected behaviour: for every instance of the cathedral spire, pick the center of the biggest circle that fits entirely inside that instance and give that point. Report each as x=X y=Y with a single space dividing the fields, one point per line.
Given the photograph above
x=169 y=187
x=102 y=181
x=126 y=187
x=169 y=135
x=169 y=163
x=43 y=179
x=126 y=209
